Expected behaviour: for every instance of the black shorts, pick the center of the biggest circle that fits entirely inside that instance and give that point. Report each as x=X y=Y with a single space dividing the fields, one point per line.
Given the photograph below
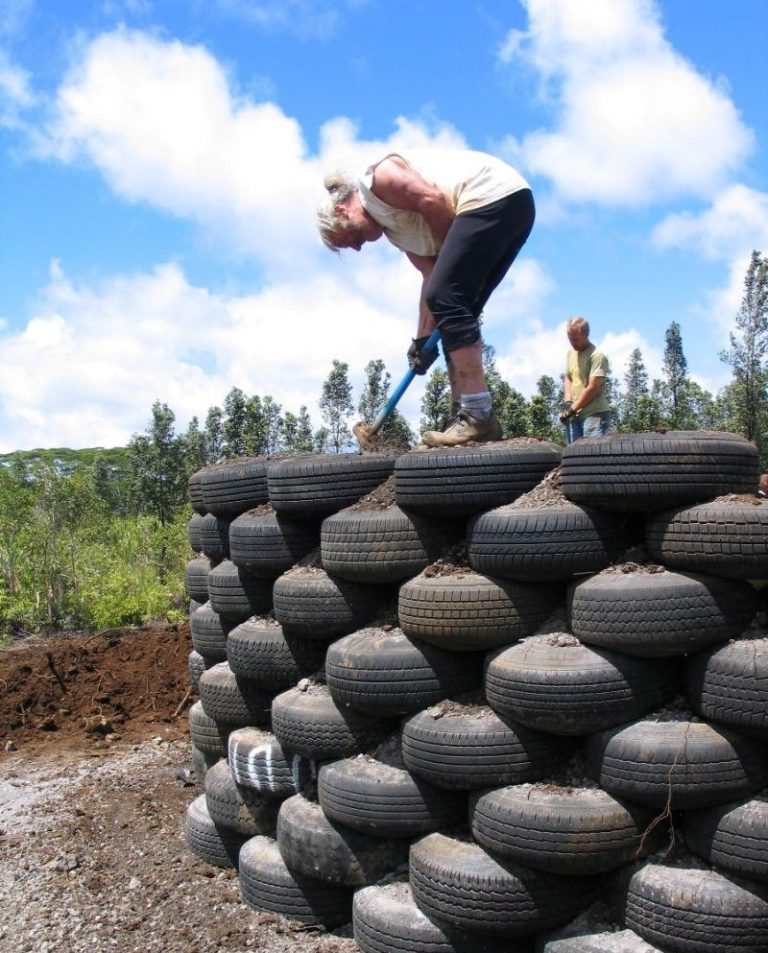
x=477 y=252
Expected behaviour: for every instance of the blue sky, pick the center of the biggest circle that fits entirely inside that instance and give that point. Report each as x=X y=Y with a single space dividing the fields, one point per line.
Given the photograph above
x=160 y=163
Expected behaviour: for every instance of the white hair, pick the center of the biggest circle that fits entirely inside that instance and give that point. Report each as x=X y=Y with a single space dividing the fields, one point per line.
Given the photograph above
x=340 y=186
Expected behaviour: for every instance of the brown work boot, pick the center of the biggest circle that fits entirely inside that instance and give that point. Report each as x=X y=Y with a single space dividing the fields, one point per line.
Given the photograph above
x=464 y=429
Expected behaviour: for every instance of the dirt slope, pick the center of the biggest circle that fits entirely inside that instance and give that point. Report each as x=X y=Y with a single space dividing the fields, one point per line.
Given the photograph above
x=92 y=804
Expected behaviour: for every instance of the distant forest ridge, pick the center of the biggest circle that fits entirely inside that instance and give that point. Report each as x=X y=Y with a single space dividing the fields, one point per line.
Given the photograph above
x=66 y=461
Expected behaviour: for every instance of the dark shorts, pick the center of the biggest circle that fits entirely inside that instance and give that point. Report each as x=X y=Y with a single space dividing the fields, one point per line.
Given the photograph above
x=477 y=252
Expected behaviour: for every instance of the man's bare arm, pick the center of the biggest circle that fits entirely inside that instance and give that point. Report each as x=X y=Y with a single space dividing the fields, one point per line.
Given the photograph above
x=400 y=186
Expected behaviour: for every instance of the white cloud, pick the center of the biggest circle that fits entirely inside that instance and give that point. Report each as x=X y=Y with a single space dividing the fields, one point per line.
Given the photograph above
x=734 y=225
x=308 y=19
x=635 y=122
x=15 y=92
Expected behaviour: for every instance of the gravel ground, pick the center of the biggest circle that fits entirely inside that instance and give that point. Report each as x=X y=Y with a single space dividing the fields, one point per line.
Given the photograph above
x=93 y=859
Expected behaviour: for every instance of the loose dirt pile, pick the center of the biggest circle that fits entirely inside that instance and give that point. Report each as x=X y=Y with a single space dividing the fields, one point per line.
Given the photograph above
x=92 y=807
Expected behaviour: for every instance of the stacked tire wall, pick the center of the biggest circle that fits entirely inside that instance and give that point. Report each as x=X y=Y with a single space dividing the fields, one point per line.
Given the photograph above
x=499 y=697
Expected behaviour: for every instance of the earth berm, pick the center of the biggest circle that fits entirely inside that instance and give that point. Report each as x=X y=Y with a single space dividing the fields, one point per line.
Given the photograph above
x=93 y=794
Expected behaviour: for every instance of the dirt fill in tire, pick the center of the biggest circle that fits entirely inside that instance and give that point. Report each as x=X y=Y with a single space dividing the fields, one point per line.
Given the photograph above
x=459 y=883
x=658 y=614
x=554 y=683
x=655 y=471
x=694 y=911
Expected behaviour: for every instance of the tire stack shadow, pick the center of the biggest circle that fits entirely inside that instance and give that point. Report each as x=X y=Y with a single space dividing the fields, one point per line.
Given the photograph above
x=482 y=715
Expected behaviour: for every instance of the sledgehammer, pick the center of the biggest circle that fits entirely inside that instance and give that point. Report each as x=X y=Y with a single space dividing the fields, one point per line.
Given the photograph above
x=365 y=433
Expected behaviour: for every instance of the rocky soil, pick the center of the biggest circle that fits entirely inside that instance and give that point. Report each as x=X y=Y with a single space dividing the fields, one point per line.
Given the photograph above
x=95 y=780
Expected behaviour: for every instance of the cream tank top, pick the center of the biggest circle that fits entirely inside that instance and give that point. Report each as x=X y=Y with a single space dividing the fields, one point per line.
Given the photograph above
x=469 y=180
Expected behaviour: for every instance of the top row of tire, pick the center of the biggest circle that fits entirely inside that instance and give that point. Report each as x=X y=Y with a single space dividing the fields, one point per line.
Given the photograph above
x=643 y=472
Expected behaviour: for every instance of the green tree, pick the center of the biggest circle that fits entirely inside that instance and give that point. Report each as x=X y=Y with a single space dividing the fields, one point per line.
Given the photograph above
x=436 y=402
x=273 y=424
x=395 y=430
x=158 y=467
x=194 y=447
x=336 y=406
x=674 y=390
x=513 y=413
x=233 y=428
x=639 y=409
x=304 y=437
x=747 y=356
x=213 y=438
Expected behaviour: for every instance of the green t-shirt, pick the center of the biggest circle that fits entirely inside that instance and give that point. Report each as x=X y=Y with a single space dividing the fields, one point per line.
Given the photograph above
x=579 y=367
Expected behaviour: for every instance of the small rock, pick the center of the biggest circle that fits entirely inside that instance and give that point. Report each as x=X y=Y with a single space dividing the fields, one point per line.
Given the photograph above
x=11 y=746
x=134 y=883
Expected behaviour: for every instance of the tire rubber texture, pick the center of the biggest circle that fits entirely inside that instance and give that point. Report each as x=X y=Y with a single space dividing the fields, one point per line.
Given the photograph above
x=196 y=578
x=658 y=614
x=733 y=837
x=695 y=911
x=459 y=481
x=235 y=595
x=206 y=734
x=720 y=539
x=235 y=808
x=681 y=765
x=257 y=761
x=728 y=684
x=214 y=537
x=268 y=886
x=573 y=689
x=372 y=797
x=477 y=748
x=202 y=762
x=545 y=543
x=232 y=487
x=312 y=604
x=561 y=830
x=468 y=612
x=655 y=471
x=461 y=884
x=317 y=847
x=261 y=652
x=385 y=919
x=209 y=633
x=382 y=546
x=196 y=665
x=232 y=700
x=387 y=673
x=310 y=723
x=214 y=844
x=269 y=544
x=195 y=492
x=316 y=485
x=193 y=532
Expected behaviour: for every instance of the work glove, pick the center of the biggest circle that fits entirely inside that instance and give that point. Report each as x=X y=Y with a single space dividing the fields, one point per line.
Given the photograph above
x=420 y=361
x=567 y=411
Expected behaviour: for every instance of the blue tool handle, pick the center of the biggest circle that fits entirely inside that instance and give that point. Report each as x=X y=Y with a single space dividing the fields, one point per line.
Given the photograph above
x=429 y=345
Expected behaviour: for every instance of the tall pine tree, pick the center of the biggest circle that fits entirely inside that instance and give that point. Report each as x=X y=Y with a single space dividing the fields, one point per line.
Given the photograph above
x=336 y=406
